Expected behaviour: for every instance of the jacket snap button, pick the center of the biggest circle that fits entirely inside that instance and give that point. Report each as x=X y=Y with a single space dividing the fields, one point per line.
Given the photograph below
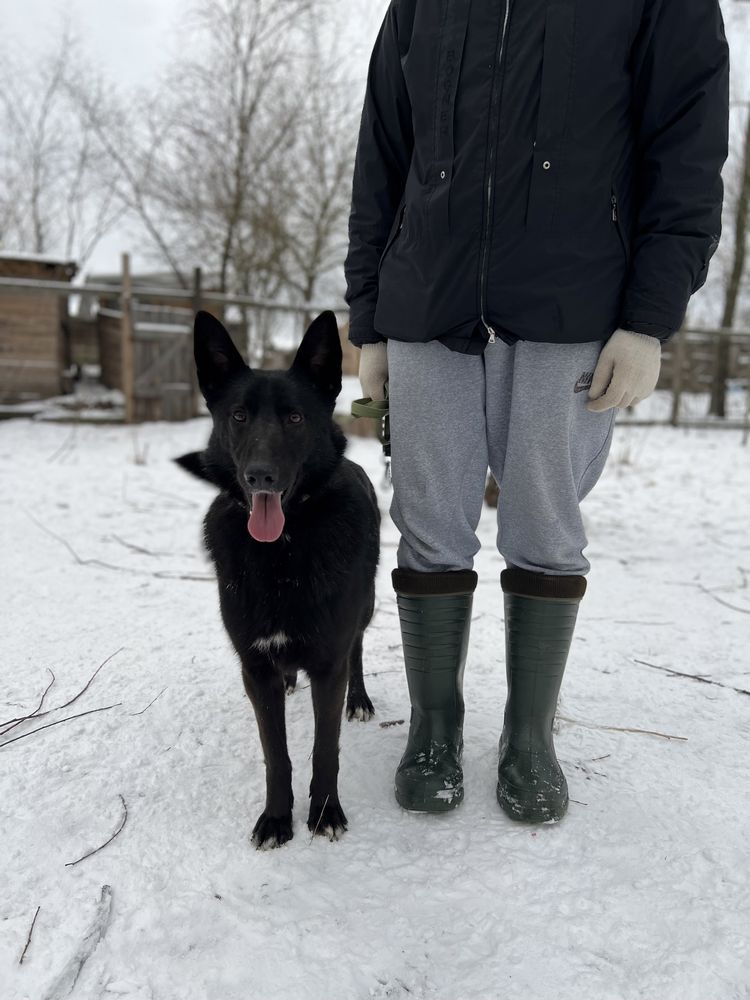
x=546 y=164
x=442 y=175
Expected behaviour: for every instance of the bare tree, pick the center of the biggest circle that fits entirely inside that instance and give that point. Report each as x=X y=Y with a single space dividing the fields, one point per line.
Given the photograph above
x=52 y=199
x=203 y=162
x=319 y=194
x=735 y=278
x=130 y=135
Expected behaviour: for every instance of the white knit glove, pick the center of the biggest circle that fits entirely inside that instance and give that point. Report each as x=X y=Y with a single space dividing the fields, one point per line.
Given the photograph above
x=373 y=370
x=627 y=371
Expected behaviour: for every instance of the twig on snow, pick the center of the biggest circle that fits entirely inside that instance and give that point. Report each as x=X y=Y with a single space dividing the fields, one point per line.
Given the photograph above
x=87 y=685
x=78 y=559
x=181 y=501
x=123 y=821
x=141 y=550
x=68 y=718
x=138 y=548
x=626 y=621
x=692 y=677
x=132 y=570
x=28 y=937
x=167 y=574
x=381 y=673
x=150 y=703
x=64 y=984
x=720 y=600
x=66 y=446
x=621 y=729
x=320 y=817
x=6 y=727
x=36 y=714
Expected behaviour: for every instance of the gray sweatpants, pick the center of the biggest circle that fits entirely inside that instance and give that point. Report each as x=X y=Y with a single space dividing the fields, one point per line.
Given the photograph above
x=520 y=410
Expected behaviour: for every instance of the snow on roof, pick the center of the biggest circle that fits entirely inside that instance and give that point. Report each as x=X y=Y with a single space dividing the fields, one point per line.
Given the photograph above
x=39 y=258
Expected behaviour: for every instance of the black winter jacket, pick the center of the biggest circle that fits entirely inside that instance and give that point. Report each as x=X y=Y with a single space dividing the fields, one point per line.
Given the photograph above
x=548 y=171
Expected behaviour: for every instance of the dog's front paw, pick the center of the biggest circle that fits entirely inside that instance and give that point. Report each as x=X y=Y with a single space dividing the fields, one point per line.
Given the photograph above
x=327 y=820
x=359 y=706
x=272 y=831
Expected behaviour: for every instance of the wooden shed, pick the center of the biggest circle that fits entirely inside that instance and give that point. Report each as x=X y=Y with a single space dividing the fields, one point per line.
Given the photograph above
x=32 y=351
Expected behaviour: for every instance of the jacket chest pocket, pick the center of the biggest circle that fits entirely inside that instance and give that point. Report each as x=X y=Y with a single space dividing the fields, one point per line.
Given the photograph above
x=548 y=150
x=455 y=20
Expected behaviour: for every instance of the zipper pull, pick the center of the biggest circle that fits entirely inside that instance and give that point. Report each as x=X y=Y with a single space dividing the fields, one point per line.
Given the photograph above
x=614 y=208
x=492 y=335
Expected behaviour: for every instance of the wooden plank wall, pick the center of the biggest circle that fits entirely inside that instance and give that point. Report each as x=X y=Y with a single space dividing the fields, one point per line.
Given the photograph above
x=32 y=350
x=31 y=358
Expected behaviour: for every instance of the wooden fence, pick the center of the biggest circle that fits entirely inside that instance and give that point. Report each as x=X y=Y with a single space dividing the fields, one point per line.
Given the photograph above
x=691 y=365
x=142 y=339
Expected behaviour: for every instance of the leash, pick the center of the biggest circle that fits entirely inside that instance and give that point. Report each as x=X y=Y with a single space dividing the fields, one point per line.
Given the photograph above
x=377 y=409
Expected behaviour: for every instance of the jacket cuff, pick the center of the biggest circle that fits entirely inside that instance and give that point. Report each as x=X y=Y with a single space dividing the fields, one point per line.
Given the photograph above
x=652 y=326
x=364 y=334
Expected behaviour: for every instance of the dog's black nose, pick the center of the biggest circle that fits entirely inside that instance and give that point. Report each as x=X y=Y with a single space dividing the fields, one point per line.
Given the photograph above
x=261 y=478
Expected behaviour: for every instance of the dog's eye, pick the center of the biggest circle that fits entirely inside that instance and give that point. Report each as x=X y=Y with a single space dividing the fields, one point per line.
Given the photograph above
x=295 y=418
x=239 y=415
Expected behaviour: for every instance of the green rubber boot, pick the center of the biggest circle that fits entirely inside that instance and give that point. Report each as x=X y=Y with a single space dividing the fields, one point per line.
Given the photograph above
x=540 y=618
x=435 y=614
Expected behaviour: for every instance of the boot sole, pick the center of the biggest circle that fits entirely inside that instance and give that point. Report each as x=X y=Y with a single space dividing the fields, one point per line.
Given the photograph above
x=413 y=801
x=524 y=807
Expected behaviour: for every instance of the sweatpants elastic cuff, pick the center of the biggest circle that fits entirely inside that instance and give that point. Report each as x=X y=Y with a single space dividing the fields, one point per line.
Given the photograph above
x=410 y=583
x=524 y=583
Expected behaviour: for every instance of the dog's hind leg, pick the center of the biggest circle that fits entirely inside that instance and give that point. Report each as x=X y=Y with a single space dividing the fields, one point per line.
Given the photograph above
x=328 y=689
x=265 y=688
x=358 y=704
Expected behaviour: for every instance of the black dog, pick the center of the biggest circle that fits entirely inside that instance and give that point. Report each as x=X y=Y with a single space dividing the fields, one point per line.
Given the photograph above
x=295 y=537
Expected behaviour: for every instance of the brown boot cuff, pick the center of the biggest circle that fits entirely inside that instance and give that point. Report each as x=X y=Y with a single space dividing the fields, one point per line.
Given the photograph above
x=410 y=583
x=524 y=583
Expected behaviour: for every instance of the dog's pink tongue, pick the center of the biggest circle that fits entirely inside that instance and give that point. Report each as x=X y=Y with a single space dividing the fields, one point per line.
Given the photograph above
x=266 y=520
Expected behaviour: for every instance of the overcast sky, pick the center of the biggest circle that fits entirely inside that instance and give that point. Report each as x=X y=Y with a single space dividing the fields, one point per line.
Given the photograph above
x=130 y=40
x=133 y=39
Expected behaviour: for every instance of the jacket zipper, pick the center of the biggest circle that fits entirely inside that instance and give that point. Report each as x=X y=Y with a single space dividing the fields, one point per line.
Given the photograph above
x=614 y=207
x=495 y=121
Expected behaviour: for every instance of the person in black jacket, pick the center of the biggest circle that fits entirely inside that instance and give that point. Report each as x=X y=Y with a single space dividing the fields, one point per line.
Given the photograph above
x=537 y=193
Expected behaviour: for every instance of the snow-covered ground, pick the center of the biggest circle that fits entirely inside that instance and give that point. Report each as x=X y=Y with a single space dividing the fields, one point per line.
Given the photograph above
x=642 y=891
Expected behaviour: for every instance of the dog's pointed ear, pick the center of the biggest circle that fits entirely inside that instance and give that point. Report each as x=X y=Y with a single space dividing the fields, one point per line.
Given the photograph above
x=216 y=357
x=193 y=463
x=319 y=356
